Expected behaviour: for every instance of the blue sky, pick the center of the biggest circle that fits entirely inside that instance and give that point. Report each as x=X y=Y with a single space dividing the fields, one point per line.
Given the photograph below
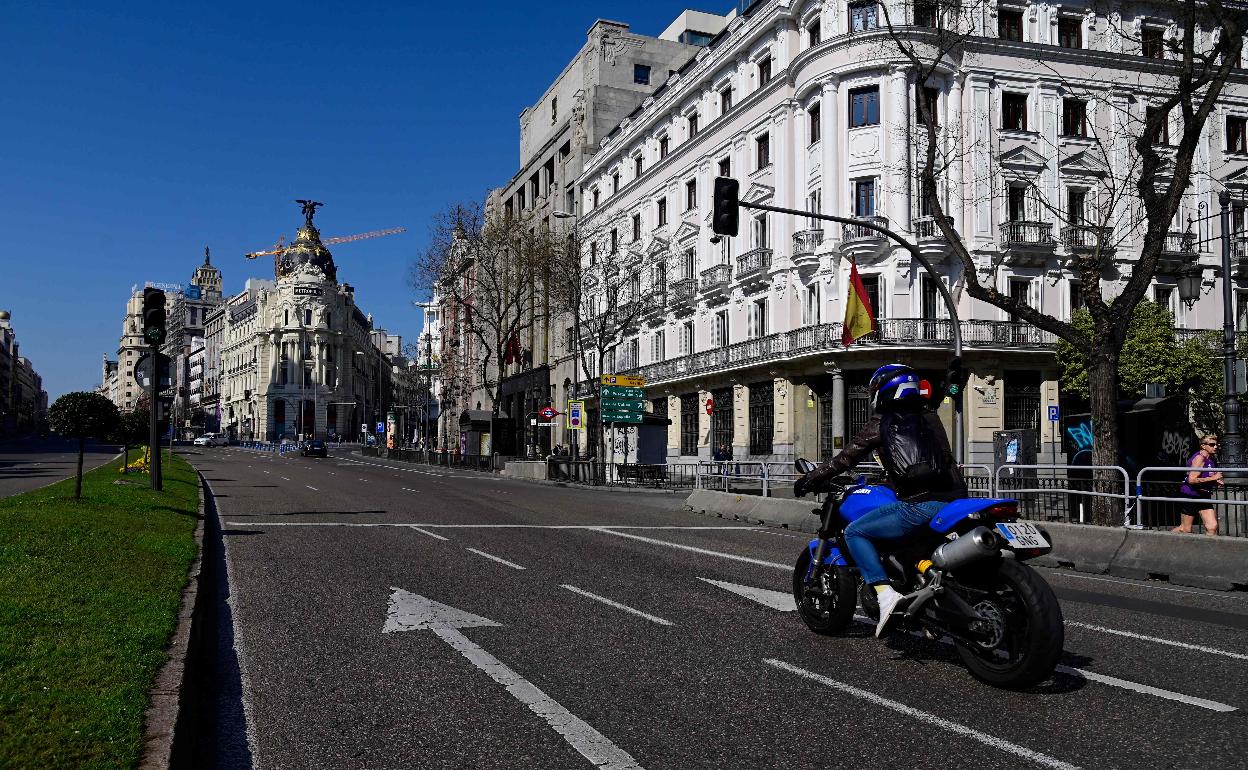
x=134 y=134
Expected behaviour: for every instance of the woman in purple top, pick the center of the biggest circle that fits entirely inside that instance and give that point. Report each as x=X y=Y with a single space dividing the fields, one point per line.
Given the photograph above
x=1199 y=486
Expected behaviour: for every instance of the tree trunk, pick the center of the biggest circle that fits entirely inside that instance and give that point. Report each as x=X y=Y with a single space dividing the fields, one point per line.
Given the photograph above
x=82 y=446
x=125 y=458
x=1103 y=391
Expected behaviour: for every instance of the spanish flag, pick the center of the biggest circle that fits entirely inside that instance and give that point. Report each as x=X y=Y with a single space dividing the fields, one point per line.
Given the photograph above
x=859 y=317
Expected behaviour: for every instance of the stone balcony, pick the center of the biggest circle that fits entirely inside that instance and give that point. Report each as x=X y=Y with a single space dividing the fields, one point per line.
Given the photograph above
x=805 y=244
x=861 y=243
x=1027 y=244
x=714 y=281
x=753 y=267
x=930 y=240
x=682 y=295
x=1177 y=252
x=1088 y=239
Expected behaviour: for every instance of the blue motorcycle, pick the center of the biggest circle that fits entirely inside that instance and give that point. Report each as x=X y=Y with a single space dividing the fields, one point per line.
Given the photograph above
x=965 y=571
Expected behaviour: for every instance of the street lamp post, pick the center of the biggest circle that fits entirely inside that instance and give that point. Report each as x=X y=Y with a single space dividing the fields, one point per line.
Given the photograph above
x=1232 y=441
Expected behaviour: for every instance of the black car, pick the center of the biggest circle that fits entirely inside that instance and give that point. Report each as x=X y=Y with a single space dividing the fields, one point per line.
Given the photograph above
x=314 y=448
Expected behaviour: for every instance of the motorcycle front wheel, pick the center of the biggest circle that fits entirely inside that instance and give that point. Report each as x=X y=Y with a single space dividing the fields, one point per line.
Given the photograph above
x=828 y=608
x=1028 y=631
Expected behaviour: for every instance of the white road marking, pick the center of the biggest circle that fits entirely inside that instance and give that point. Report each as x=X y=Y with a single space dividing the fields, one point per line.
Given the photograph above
x=617 y=605
x=491 y=557
x=1144 y=584
x=266 y=471
x=1212 y=705
x=410 y=611
x=283 y=478
x=434 y=535
x=593 y=527
x=1158 y=640
x=927 y=718
x=314 y=489
x=777 y=600
x=694 y=549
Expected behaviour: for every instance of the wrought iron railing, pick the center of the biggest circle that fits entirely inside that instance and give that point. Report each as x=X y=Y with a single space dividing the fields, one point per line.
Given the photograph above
x=1084 y=237
x=1183 y=243
x=824 y=338
x=856 y=232
x=1239 y=245
x=1027 y=234
x=752 y=263
x=682 y=290
x=926 y=227
x=805 y=242
x=716 y=276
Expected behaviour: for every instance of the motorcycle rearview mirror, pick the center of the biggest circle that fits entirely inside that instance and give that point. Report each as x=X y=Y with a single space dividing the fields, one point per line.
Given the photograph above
x=803 y=465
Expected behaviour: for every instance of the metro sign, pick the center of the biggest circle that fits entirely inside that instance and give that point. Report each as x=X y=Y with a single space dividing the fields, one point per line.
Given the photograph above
x=548 y=413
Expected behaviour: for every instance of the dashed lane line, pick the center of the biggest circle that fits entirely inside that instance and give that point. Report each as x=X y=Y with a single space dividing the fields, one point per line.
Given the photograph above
x=1158 y=640
x=498 y=559
x=314 y=489
x=617 y=605
x=927 y=718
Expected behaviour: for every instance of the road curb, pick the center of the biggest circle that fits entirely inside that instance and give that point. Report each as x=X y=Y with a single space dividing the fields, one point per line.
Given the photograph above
x=1188 y=560
x=160 y=721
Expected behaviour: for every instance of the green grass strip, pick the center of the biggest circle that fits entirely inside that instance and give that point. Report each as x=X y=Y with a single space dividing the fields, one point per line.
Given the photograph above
x=89 y=595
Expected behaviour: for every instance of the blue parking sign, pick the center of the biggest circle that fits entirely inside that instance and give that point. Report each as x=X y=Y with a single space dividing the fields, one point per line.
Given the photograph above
x=1054 y=414
x=381 y=427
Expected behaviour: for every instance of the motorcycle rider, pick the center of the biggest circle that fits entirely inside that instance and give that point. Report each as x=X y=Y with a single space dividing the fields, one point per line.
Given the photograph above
x=918 y=462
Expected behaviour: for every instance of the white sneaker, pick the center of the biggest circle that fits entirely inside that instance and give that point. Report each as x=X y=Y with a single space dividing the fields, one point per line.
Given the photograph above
x=889 y=601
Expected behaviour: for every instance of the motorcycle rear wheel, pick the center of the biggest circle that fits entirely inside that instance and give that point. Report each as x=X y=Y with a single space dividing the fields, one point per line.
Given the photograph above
x=1032 y=630
x=831 y=610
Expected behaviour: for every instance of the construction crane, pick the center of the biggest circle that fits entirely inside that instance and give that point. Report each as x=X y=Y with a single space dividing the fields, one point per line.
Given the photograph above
x=280 y=248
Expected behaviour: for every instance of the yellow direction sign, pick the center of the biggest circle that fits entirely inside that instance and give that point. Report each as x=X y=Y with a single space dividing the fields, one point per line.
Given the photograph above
x=620 y=379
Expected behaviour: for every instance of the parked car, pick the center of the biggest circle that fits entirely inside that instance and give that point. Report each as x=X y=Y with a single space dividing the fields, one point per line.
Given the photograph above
x=211 y=439
x=314 y=448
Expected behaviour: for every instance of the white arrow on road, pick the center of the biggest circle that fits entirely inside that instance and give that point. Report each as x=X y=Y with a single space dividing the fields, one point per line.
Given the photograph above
x=777 y=600
x=413 y=612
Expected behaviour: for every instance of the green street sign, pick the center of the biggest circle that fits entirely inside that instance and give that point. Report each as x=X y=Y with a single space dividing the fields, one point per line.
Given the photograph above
x=617 y=391
x=622 y=405
x=633 y=417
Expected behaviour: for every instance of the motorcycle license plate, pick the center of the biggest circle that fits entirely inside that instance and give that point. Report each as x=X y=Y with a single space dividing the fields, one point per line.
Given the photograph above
x=1020 y=534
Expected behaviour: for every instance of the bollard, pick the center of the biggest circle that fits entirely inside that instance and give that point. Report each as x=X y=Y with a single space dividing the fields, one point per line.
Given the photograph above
x=766 y=489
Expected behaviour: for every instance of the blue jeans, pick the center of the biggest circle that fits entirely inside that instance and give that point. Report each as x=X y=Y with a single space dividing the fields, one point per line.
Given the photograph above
x=886 y=523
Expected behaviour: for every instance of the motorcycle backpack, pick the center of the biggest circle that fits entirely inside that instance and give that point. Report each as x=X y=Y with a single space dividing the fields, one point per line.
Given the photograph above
x=911 y=453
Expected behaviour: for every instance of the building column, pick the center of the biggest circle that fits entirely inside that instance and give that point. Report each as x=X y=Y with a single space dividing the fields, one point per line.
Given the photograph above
x=954 y=134
x=784 y=415
x=740 y=421
x=705 y=440
x=838 y=408
x=781 y=227
x=829 y=145
x=898 y=148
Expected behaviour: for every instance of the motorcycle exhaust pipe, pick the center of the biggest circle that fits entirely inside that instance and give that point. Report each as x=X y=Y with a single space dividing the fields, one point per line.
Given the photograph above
x=979 y=543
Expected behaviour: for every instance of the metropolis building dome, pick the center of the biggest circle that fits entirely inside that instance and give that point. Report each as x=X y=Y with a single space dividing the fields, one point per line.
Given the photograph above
x=308 y=249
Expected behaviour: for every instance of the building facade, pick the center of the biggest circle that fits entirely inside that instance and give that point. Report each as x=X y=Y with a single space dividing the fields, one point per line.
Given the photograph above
x=812 y=107
x=23 y=401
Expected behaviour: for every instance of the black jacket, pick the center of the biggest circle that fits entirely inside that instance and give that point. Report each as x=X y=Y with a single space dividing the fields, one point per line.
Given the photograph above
x=949 y=487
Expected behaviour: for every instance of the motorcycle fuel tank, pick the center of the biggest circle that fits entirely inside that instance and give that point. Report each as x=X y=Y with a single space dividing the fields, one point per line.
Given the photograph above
x=861 y=500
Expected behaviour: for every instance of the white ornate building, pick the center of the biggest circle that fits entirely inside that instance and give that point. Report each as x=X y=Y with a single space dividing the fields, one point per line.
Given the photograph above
x=811 y=106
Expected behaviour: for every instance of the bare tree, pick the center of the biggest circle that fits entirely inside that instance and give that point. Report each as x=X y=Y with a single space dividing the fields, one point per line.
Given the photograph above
x=492 y=272
x=1141 y=176
x=599 y=289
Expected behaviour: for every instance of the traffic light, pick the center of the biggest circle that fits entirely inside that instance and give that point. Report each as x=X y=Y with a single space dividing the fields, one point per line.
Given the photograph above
x=725 y=210
x=153 y=315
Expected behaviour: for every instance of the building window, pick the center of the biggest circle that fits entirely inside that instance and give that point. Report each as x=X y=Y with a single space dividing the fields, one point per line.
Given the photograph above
x=762 y=417
x=863 y=16
x=637 y=167
x=1076 y=204
x=693 y=125
x=721 y=418
x=762 y=146
x=719 y=329
x=641 y=74
x=689 y=424
x=686 y=338
x=926 y=14
x=658 y=347
x=594 y=191
x=1076 y=296
x=1074 y=117
x=664 y=146
x=307 y=317
x=813 y=113
x=1014 y=112
x=1236 y=134
x=689 y=261
x=864 y=107
x=691 y=195
x=926 y=97
x=872 y=284
x=725 y=100
x=1162 y=133
x=764 y=71
x=725 y=166
x=615 y=182
x=1016 y=204
x=662 y=211
x=758 y=318
x=1010 y=24
x=814 y=33
x=1022 y=400
x=1070 y=33
x=864 y=198
x=812 y=309
x=615 y=240
x=1152 y=43
x=759 y=232
x=636 y=227
x=1164 y=296
x=593 y=252
x=554 y=109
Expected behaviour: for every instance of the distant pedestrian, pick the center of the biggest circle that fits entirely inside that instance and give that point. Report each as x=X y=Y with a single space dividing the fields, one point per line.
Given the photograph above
x=1199 y=485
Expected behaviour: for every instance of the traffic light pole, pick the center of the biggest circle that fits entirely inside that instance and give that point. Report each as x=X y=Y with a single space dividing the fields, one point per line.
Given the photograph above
x=959 y=450
x=153 y=444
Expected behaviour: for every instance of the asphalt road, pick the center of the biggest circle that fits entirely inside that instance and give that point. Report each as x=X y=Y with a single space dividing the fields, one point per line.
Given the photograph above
x=30 y=463
x=392 y=616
